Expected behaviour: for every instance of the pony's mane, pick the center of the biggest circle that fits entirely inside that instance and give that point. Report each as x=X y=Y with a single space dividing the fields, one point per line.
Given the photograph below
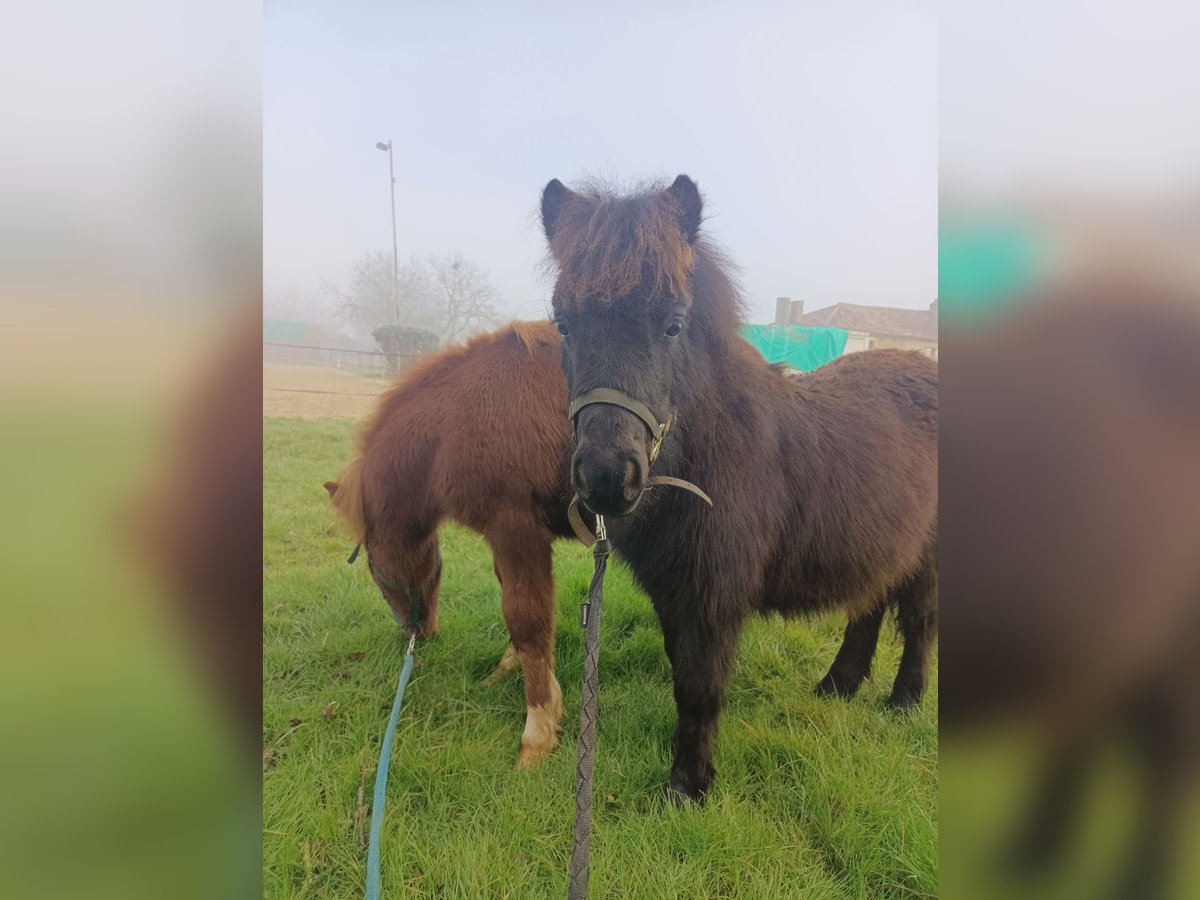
x=608 y=245
x=535 y=334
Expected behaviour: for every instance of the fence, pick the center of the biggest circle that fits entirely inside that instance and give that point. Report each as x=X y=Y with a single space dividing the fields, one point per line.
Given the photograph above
x=359 y=362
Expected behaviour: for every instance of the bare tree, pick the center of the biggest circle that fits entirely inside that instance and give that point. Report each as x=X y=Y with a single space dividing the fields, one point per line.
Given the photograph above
x=466 y=300
x=369 y=303
x=450 y=296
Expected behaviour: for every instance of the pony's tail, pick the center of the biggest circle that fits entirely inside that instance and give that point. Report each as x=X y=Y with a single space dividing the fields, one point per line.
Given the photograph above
x=346 y=494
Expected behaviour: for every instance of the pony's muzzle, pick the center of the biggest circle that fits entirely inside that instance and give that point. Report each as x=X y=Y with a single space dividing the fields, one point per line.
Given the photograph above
x=610 y=465
x=608 y=484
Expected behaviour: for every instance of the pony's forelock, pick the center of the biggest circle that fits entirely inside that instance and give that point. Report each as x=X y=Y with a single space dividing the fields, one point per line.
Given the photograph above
x=608 y=245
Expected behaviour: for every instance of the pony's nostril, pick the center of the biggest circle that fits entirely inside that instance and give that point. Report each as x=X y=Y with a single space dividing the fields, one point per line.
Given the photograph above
x=582 y=488
x=630 y=489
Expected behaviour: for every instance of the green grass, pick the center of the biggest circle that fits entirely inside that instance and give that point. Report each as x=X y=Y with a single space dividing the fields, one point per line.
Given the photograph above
x=813 y=798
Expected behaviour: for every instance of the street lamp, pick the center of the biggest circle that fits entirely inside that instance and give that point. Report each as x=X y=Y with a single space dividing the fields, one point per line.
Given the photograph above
x=380 y=145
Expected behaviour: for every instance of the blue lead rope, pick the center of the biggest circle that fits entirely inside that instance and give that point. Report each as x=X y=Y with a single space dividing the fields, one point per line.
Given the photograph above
x=381 y=776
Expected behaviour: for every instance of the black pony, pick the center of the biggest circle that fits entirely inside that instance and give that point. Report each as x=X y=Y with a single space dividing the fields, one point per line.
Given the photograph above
x=824 y=487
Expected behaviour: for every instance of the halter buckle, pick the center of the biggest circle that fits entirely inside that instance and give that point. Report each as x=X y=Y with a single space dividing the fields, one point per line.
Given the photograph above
x=656 y=440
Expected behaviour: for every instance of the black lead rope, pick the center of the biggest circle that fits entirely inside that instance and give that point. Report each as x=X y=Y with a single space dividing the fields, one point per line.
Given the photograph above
x=589 y=620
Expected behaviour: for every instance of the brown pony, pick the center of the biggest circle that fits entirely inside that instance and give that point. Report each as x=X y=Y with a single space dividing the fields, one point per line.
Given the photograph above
x=824 y=487
x=477 y=434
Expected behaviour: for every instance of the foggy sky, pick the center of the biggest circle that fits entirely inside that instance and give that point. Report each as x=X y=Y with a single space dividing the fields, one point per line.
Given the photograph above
x=812 y=132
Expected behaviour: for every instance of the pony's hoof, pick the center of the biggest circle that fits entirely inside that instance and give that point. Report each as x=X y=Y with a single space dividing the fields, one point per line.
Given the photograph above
x=496 y=677
x=1025 y=858
x=680 y=800
x=532 y=757
x=831 y=687
x=903 y=701
x=681 y=793
x=508 y=661
x=541 y=734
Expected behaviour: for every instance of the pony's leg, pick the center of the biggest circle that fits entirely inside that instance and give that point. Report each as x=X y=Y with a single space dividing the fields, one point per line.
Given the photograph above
x=521 y=550
x=1054 y=804
x=1165 y=728
x=431 y=586
x=700 y=653
x=853 y=661
x=916 y=605
x=508 y=661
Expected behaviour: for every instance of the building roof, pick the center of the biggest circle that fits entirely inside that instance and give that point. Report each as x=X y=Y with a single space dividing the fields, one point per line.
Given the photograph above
x=921 y=324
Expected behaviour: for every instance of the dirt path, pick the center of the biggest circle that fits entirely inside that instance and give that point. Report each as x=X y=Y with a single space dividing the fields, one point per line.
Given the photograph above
x=317 y=392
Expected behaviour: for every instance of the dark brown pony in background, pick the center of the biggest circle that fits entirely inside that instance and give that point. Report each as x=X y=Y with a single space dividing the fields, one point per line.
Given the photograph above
x=824 y=487
x=478 y=434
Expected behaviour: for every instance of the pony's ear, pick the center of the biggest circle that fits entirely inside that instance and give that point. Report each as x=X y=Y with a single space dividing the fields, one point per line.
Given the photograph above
x=332 y=487
x=554 y=197
x=691 y=207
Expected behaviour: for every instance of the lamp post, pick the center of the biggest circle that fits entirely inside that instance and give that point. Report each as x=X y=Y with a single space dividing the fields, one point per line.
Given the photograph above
x=395 y=255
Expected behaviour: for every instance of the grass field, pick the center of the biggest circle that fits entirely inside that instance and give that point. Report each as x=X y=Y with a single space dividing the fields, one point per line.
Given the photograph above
x=813 y=798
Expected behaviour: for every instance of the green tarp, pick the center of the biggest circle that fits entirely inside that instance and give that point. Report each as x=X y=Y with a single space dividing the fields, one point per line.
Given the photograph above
x=985 y=265
x=274 y=330
x=796 y=346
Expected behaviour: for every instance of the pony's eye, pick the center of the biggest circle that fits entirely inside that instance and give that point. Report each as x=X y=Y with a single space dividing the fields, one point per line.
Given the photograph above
x=673 y=328
x=562 y=327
